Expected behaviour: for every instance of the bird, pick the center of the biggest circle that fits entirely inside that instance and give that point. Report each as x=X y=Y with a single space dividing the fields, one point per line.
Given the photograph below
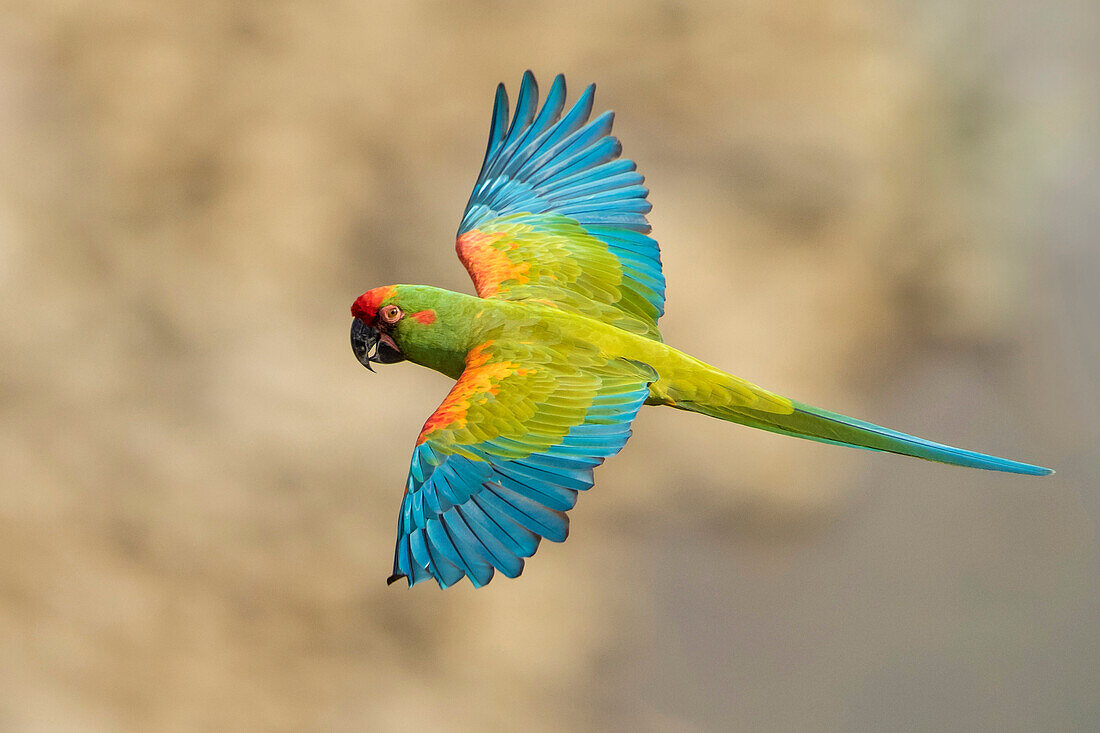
x=558 y=350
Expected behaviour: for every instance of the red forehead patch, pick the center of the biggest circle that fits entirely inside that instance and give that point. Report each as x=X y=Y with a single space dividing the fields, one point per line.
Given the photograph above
x=366 y=305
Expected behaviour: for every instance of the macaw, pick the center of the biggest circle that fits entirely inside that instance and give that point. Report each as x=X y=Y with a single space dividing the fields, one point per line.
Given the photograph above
x=558 y=350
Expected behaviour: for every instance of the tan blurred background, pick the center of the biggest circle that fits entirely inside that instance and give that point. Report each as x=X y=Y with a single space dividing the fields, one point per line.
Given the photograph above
x=886 y=209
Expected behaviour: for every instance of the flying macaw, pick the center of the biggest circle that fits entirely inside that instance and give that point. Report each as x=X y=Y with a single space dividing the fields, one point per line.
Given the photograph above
x=558 y=350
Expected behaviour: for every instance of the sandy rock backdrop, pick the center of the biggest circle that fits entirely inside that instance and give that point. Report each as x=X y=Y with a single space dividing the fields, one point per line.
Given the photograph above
x=881 y=208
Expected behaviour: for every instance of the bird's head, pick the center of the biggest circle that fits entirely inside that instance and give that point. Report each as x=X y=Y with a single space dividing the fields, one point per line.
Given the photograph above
x=388 y=322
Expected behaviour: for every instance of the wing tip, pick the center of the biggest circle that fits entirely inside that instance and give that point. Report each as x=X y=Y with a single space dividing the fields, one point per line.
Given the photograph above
x=394 y=578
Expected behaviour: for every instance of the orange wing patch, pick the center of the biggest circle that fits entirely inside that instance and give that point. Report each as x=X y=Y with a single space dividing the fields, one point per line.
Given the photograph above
x=488 y=265
x=480 y=377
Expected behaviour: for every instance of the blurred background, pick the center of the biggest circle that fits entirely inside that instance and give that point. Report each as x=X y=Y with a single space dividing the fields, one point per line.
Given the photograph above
x=885 y=209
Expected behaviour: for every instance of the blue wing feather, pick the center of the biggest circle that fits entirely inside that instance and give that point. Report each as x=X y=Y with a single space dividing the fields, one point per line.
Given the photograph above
x=548 y=163
x=470 y=513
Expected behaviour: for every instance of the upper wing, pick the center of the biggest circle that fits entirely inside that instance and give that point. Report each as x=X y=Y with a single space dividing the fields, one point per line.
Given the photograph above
x=556 y=215
x=498 y=464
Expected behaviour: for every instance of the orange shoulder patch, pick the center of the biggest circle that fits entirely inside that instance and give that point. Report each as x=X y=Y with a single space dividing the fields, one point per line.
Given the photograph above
x=488 y=265
x=481 y=377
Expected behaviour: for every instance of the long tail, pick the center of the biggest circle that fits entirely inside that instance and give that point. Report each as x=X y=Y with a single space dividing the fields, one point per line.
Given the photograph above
x=727 y=397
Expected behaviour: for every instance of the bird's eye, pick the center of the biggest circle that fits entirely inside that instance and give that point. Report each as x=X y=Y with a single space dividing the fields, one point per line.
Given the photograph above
x=390 y=313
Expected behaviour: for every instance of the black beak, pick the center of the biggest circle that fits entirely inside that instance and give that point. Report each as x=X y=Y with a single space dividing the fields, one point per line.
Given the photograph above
x=372 y=346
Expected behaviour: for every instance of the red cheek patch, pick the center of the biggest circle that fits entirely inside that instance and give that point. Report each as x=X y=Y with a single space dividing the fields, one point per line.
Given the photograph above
x=427 y=317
